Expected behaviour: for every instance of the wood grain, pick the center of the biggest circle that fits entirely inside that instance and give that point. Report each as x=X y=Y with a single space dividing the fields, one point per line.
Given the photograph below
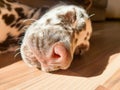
x=97 y=69
x=113 y=83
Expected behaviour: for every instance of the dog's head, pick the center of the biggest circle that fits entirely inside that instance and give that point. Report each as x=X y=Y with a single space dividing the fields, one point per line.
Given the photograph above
x=51 y=41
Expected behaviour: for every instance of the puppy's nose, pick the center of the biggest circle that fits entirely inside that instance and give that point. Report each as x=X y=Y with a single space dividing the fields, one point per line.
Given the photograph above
x=58 y=57
x=61 y=55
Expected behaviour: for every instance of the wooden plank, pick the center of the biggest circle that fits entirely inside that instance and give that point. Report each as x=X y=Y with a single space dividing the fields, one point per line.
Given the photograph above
x=113 y=83
x=24 y=78
x=15 y=74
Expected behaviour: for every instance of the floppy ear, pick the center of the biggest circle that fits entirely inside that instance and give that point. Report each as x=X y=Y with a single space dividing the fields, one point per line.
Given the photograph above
x=69 y=17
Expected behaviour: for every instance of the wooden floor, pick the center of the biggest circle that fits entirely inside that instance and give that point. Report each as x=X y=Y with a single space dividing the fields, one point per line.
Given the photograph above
x=97 y=69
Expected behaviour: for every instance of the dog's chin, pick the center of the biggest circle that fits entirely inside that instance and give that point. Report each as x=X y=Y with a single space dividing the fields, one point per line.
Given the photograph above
x=50 y=68
x=54 y=68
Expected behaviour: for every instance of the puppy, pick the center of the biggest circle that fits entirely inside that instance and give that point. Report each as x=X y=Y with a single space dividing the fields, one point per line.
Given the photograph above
x=50 y=42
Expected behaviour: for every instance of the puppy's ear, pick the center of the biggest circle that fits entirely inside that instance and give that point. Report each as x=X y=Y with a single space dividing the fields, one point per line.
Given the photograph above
x=69 y=17
x=85 y=3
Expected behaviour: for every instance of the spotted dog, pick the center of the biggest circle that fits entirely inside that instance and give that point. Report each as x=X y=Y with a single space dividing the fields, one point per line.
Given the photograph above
x=51 y=41
x=12 y=15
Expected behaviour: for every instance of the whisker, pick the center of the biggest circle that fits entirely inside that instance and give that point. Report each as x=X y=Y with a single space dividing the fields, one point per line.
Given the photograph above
x=91 y=15
x=25 y=28
x=17 y=54
x=17 y=49
x=20 y=40
x=28 y=21
x=19 y=43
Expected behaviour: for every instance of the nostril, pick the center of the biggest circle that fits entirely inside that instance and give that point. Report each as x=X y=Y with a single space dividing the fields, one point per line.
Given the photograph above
x=55 y=55
x=59 y=51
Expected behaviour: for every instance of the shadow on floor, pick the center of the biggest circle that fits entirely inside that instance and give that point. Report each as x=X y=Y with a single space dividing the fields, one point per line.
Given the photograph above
x=105 y=42
x=8 y=58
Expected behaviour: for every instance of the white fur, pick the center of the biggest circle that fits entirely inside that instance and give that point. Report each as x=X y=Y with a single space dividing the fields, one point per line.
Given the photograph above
x=42 y=31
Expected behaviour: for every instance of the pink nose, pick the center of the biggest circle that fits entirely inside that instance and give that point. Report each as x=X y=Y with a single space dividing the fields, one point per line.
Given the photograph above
x=62 y=54
x=57 y=58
